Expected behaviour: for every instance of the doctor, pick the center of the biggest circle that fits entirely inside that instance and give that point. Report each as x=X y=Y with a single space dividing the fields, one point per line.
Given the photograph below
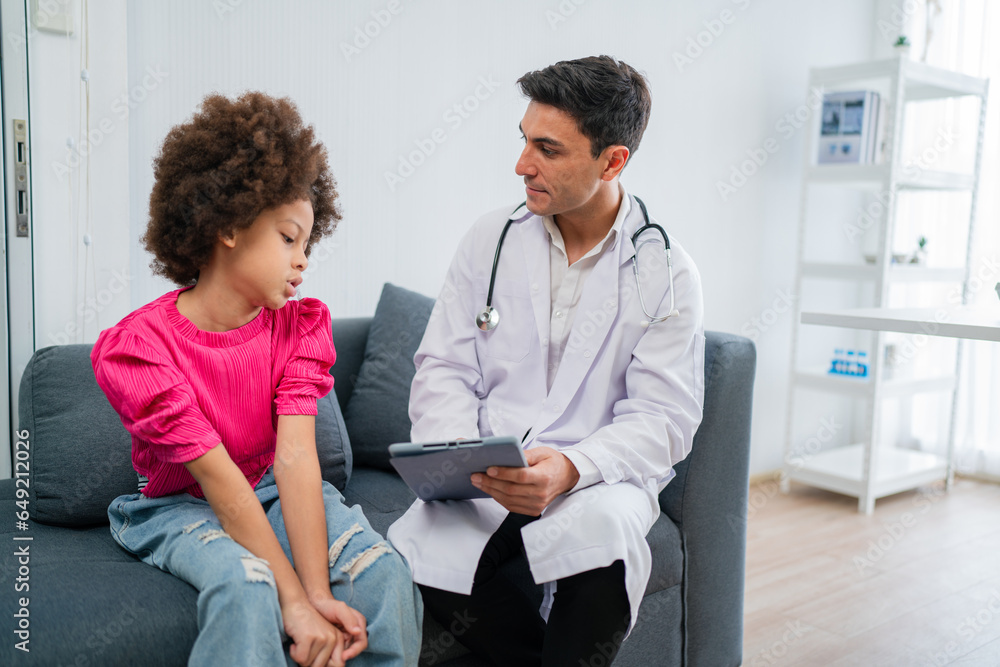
x=606 y=394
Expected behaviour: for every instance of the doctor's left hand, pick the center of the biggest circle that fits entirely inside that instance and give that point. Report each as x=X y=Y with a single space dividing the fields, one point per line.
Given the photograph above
x=530 y=490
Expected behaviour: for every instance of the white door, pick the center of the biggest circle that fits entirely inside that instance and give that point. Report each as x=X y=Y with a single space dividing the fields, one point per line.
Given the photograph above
x=16 y=280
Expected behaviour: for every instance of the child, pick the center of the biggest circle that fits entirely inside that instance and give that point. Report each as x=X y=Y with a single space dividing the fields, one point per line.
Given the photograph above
x=218 y=381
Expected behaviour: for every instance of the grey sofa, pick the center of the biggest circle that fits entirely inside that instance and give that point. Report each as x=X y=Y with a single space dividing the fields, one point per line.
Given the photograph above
x=89 y=603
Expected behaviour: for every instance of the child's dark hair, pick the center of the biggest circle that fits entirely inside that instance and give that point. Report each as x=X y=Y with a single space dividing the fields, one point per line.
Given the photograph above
x=609 y=100
x=217 y=172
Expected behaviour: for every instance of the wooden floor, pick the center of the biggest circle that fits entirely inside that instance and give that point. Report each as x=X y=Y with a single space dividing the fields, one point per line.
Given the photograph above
x=917 y=583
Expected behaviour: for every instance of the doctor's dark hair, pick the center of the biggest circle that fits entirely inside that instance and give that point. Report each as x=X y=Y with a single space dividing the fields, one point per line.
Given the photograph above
x=609 y=99
x=217 y=172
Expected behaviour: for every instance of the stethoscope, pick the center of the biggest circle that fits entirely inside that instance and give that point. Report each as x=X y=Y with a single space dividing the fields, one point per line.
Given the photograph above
x=488 y=318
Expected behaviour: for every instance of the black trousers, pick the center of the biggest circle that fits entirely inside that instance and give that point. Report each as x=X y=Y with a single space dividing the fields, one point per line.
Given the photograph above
x=587 y=623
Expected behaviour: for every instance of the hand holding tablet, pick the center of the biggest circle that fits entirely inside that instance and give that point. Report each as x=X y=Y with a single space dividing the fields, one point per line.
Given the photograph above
x=442 y=470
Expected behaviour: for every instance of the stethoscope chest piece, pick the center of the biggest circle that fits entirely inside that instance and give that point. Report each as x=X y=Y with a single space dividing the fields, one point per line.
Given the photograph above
x=487 y=319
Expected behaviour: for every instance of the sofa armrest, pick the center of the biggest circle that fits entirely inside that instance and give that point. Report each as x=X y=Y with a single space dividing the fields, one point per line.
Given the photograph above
x=350 y=336
x=708 y=501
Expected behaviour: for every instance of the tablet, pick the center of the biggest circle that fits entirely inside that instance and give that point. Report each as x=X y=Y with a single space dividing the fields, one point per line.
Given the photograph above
x=441 y=470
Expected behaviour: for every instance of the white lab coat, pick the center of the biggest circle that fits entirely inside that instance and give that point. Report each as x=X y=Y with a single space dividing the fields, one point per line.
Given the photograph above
x=627 y=397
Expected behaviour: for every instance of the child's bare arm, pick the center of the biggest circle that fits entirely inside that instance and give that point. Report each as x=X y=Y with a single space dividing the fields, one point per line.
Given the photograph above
x=242 y=517
x=297 y=473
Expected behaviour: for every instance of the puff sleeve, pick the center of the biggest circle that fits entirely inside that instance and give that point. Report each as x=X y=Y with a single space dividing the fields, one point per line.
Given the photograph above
x=306 y=377
x=153 y=398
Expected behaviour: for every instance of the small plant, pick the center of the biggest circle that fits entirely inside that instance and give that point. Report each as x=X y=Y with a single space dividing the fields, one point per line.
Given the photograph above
x=920 y=256
x=902 y=41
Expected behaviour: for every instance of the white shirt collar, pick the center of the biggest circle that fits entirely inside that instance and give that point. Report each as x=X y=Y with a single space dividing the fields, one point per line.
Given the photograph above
x=555 y=236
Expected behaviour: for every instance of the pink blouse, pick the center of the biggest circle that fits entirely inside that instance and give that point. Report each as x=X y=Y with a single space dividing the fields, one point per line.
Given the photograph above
x=181 y=391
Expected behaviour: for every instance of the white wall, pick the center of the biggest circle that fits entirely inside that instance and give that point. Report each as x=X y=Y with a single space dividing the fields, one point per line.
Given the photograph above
x=371 y=106
x=78 y=288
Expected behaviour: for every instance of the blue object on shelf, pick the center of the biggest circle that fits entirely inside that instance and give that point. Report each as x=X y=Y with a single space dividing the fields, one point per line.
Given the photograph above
x=853 y=363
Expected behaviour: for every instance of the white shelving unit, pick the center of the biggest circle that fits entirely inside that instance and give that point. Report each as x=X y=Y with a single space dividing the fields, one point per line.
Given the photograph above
x=871 y=469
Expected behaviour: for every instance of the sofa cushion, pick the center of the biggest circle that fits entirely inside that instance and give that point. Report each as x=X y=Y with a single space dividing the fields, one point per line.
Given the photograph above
x=336 y=462
x=80 y=452
x=383 y=496
x=378 y=412
x=93 y=603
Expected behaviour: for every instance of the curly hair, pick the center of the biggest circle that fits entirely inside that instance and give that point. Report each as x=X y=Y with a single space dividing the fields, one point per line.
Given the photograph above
x=217 y=172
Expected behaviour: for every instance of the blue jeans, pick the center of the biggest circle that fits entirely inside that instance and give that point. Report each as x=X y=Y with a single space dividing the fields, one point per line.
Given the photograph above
x=239 y=619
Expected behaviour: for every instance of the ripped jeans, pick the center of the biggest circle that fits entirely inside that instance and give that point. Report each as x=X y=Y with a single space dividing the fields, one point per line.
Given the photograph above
x=239 y=619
